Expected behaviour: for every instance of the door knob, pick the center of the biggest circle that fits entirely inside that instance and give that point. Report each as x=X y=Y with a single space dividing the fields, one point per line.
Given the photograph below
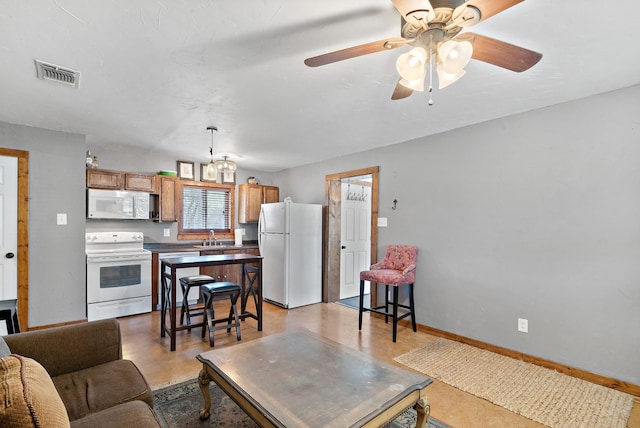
x=344 y=247
x=9 y=255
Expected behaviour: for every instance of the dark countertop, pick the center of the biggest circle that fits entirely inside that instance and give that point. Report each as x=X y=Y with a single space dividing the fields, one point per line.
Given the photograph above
x=175 y=247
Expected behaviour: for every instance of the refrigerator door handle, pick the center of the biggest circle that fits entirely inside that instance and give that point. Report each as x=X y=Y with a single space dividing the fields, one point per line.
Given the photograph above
x=260 y=223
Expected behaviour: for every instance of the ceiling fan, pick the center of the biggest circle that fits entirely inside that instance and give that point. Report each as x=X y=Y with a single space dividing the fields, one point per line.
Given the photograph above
x=434 y=29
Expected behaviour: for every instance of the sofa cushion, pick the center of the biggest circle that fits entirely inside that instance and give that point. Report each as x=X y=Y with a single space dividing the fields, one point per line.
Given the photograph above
x=4 y=348
x=28 y=397
x=134 y=414
x=102 y=386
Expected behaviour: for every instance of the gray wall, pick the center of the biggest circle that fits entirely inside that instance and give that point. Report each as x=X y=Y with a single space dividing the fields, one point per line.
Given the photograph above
x=56 y=253
x=534 y=216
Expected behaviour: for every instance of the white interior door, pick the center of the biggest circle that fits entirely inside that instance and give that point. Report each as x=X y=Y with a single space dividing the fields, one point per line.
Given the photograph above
x=8 y=232
x=355 y=231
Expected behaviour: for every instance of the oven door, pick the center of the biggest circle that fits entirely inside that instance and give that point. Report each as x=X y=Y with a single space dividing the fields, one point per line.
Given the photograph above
x=114 y=277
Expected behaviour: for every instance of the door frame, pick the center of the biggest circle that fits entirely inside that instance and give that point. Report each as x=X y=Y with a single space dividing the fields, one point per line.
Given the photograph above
x=23 y=234
x=331 y=271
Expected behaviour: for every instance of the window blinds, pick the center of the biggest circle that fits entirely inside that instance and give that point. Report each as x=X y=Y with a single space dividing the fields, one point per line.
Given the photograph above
x=206 y=209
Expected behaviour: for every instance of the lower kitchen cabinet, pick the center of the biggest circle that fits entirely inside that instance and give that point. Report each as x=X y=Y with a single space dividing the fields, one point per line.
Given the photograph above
x=230 y=273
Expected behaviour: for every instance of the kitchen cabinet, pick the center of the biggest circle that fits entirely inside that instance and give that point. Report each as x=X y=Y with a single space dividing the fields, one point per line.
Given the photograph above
x=140 y=182
x=119 y=180
x=231 y=273
x=250 y=197
x=105 y=179
x=167 y=195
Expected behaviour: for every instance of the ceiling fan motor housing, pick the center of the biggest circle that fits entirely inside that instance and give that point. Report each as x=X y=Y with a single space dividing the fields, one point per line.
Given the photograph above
x=440 y=28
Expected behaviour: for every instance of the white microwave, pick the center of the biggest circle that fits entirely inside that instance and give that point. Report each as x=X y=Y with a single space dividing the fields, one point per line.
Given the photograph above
x=117 y=204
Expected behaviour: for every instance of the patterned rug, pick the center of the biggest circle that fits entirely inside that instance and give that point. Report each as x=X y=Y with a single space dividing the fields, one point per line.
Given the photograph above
x=178 y=406
x=546 y=396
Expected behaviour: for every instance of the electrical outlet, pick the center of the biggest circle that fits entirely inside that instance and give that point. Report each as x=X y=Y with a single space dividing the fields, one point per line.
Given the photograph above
x=167 y=232
x=523 y=325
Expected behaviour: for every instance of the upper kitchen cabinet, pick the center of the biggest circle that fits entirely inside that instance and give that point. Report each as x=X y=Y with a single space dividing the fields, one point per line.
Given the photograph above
x=250 y=197
x=118 y=180
x=105 y=179
x=140 y=182
x=167 y=195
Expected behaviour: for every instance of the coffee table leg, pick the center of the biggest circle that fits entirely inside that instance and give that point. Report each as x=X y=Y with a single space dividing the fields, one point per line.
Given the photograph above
x=204 y=380
x=422 y=409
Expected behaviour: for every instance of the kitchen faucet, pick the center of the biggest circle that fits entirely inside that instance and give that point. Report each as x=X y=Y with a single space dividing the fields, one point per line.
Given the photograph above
x=212 y=240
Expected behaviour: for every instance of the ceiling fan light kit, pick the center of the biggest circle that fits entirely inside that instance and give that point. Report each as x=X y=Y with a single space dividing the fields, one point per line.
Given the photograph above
x=433 y=29
x=411 y=65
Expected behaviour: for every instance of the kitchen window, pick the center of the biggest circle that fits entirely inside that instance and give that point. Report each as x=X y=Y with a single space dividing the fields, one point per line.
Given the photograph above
x=206 y=207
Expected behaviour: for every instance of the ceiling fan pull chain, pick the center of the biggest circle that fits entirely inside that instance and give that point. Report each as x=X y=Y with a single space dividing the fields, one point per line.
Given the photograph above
x=431 y=59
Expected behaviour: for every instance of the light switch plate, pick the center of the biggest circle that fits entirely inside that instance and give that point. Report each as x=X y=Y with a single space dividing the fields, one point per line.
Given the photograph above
x=62 y=219
x=382 y=222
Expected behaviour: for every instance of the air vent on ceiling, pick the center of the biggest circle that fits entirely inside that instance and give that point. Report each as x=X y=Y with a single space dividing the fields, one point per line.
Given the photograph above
x=57 y=74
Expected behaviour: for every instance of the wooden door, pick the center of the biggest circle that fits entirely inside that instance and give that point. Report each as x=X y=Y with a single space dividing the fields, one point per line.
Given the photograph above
x=331 y=274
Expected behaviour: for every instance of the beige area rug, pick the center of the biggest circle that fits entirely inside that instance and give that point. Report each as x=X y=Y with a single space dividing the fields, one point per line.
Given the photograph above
x=540 y=394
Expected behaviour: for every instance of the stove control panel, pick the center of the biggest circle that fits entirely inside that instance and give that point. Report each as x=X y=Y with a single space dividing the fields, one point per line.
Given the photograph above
x=114 y=237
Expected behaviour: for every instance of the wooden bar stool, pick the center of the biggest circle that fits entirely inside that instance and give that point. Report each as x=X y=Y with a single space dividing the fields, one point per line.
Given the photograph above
x=186 y=283
x=216 y=291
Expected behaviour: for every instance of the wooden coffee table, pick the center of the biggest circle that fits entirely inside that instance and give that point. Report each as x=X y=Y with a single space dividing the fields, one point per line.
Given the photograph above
x=300 y=379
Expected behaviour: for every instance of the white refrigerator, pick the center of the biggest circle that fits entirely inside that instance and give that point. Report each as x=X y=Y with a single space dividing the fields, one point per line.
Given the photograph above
x=290 y=241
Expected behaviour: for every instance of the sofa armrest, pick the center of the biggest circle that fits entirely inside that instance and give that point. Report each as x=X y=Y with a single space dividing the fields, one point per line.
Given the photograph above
x=70 y=348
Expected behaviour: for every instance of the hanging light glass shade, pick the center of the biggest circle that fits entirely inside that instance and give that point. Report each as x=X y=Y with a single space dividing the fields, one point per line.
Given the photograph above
x=221 y=165
x=225 y=165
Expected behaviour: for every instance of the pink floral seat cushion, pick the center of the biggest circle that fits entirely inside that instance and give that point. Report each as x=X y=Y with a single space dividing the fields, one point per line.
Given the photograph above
x=397 y=268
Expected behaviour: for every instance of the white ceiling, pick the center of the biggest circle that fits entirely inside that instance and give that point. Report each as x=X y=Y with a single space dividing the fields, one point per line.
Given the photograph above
x=156 y=73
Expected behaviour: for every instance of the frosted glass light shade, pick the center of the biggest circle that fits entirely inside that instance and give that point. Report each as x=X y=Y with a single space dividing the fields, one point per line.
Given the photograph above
x=445 y=78
x=411 y=65
x=225 y=165
x=455 y=56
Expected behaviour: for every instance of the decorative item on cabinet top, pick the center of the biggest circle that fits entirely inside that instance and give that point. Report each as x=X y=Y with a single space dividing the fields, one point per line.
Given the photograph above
x=252 y=180
x=185 y=170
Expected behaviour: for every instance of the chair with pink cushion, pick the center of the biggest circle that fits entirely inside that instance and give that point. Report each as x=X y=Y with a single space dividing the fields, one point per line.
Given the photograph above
x=398 y=268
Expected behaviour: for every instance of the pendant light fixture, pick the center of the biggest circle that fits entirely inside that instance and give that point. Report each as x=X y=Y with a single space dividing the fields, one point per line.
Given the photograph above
x=223 y=165
x=211 y=167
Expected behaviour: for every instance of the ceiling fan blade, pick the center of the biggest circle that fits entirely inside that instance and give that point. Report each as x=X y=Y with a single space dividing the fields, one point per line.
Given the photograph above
x=488 y=8
x=401 y=91
x=500 y=53
x=355 y=51
x=414 y=11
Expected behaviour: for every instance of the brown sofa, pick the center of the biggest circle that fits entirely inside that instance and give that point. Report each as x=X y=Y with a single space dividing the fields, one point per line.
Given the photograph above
x=87 y=377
